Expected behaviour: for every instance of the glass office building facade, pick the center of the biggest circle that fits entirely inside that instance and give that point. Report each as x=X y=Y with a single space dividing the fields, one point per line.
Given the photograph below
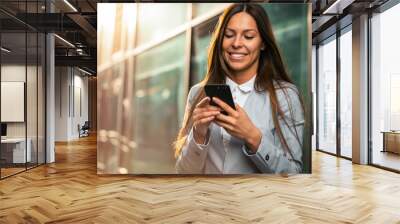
x=156 y=57
x=22 y=79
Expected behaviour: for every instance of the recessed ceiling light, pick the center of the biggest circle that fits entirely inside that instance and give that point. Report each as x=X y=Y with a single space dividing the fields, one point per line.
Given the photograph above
x=337 y=7
x=5 y=50
x=64 y=40
x=70 y=5
x=84 y=71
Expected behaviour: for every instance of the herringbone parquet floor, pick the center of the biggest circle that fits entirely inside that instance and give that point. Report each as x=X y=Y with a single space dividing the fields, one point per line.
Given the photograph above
x=69 y=191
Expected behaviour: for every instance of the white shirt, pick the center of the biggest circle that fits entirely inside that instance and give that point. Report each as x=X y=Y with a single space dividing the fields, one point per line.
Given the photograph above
x=240 y=93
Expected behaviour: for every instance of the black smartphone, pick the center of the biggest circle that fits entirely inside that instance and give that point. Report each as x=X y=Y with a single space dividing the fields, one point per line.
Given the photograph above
x=222 y=91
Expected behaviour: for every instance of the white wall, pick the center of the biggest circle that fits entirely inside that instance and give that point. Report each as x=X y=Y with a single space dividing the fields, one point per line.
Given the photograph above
x=71 y=94
x=80 y=110
x=12 y=101
x=17 y=73
x=12 y=73
x=61 y=103
x=33 y=126
x=50 y=94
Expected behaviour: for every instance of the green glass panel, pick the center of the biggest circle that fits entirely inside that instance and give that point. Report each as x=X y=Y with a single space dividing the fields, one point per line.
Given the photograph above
x=154 y=22
x=160 y=99
x=291 y=29
x=200 y=9
x=201 y=36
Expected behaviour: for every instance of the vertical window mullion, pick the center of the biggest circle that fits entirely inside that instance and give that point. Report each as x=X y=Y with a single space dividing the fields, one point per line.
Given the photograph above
x=338 y=73
x=26 y=86
x=369 y=100
x=317 y=96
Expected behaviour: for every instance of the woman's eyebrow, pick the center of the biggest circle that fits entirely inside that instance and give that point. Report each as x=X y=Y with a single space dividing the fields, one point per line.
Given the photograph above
x=246 y=30
x=250 y=30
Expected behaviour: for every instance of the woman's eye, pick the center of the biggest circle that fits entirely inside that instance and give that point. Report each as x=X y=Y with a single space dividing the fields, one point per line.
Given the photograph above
x=249 y=37
x=229 y=34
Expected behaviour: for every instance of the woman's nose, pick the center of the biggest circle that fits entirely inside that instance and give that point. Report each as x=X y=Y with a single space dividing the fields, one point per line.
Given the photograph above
x=237 y=42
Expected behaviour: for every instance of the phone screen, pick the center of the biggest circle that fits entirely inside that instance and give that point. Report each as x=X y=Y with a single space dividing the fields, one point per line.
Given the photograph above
x=222 y=91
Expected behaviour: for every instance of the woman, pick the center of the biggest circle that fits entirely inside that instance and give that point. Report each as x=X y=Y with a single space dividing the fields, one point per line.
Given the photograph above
x=264 y=134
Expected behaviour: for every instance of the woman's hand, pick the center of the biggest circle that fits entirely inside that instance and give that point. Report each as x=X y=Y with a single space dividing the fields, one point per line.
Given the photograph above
x=238 y=124
x=203 y=115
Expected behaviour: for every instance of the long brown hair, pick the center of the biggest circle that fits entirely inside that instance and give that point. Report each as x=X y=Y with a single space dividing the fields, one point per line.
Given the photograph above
x=271 y=71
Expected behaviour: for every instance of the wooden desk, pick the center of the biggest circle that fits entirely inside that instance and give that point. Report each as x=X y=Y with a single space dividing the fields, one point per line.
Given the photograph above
x=391 y=141
x=13 y=150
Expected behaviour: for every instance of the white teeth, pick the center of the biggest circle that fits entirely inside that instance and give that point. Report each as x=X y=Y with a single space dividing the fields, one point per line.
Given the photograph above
x=237 y=56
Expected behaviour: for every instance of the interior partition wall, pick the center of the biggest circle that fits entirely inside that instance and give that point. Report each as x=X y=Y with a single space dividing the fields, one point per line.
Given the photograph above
x=22 y=77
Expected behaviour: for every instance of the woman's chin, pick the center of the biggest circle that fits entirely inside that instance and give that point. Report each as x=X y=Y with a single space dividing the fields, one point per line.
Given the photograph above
x=237 y=68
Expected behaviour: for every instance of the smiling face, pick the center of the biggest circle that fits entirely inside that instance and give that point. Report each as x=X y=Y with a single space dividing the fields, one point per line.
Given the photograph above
x=241 y=45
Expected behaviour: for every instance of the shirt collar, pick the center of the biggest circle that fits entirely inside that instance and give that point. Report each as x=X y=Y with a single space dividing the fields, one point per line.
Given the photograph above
x=245 y=87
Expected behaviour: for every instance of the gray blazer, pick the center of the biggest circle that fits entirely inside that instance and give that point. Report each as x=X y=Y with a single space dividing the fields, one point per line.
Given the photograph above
x=214 y=158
